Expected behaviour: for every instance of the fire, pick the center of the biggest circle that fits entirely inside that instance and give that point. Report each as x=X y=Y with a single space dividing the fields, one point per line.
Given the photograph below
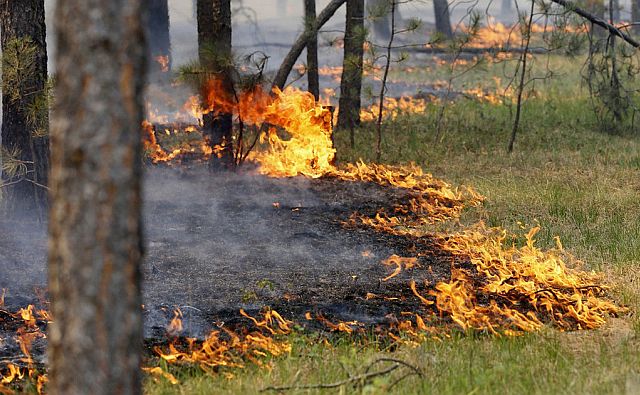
x=399 y=262
x=175 y=326
x=225 y=348
x=394 y=107
x=506 y=289
x=163 y=61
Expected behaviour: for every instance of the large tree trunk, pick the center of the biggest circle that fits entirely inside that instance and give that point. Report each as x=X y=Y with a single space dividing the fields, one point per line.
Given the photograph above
x=443 y=21
x=351 y=83
x=214 y=43
x=300 y=44
x=25 y=119
x=312 y=48
x=159 y=38
x=95 y=230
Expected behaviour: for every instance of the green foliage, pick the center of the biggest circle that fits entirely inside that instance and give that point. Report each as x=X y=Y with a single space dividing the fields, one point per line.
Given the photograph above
x=18 y=67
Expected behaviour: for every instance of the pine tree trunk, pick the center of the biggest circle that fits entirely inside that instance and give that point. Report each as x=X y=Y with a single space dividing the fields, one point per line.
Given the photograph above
x=312 y=48
x=214 y=42
x=351 y=83
x=95 y=230
x=23 y=26
x=443 y=21
x=158 y=35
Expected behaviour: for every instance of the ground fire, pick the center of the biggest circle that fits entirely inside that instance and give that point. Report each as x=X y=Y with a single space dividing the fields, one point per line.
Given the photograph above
x=494 y=286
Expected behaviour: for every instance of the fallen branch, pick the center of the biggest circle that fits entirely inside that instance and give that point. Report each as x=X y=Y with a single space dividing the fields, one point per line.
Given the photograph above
x=361 y=378
x=598 y=21
x=301 y=42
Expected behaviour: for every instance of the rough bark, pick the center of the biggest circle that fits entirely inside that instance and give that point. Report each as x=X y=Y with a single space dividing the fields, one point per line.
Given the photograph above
x=312 y=49
x=214 y=43
x=95 y=249
x=301 y=42
x=158 y=25
x=351 y=83
x=23 y=24
x=443 y=20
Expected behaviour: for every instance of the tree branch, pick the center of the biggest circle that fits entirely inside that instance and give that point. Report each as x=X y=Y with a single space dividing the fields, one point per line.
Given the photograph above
x=598 y=21
x=301 y=42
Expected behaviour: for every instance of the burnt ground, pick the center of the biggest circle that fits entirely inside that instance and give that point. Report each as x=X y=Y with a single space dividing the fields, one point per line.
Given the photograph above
x=216 y=243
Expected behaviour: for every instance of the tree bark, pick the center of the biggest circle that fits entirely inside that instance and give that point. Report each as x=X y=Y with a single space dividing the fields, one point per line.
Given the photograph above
x=351 y=83
x=299 y=45
x=25 y=119
x=95 y=341
x=443 y=20
x=158 y=25
x=214 y=46
x=312 y=48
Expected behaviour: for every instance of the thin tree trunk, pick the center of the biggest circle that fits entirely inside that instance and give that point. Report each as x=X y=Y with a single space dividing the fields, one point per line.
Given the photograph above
x=300 y=44
x=214 y=43
x=312 y=48
x=523 y=73
x=443 y=21
x=24 y=79
x=351 y=83
x=158 y=25
x=95 y=252
x=383 y=88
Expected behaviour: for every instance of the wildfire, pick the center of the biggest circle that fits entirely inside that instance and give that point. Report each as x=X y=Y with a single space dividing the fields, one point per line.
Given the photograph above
x=22 y=368
x=504 y=290
x=163 y=61
x=225 y=348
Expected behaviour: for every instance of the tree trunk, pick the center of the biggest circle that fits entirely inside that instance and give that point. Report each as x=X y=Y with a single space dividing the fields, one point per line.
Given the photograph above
x=159 y=37
x=95 y=250
x=214 y=43
x=312 y=48
x=25 y=117
x=443 y=21
x=351 y=83
x=300 y=44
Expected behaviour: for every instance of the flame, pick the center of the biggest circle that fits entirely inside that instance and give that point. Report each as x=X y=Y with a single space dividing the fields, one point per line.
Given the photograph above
x=229 y=349
x=399 y=262
x=175 y=326
x=394 y=107
x=163 y=61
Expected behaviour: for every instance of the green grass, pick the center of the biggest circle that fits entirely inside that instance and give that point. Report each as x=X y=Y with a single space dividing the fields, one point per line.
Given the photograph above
x=565 y=175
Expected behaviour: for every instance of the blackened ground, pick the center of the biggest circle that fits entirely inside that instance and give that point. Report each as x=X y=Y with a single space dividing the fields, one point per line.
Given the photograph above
x=216 y=243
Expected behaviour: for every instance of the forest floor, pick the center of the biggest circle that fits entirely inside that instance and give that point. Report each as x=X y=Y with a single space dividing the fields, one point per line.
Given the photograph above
x=567 y=175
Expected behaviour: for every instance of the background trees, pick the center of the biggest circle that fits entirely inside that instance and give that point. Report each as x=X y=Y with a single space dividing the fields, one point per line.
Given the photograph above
x=351 y=82
x=214 y=51
x=25 y=144
x=158 y=36
x=95 y=232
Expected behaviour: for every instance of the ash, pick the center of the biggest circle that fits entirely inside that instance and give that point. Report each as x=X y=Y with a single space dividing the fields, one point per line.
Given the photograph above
x=220 y=242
